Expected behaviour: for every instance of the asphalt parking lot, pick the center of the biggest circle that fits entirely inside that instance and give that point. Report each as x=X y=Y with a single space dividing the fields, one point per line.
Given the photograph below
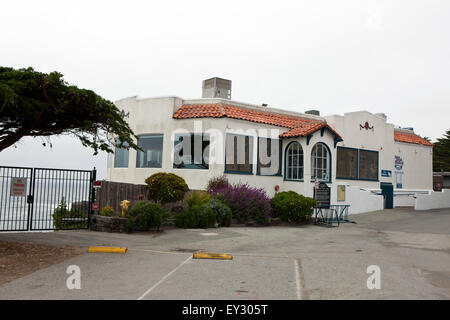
x=412 y=250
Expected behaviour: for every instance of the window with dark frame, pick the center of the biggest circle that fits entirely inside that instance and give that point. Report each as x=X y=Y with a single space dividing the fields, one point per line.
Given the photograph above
x=269 y=157
x=368 y=165
x=191 y=151
x=347 y=163
x=294 y=162
x=151 y=157
x=239 y=154
x=320 y=163
x=121 y=155
x=357 y=164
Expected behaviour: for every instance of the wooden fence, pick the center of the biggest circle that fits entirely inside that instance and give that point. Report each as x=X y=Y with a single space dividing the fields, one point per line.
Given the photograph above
x=112 y=193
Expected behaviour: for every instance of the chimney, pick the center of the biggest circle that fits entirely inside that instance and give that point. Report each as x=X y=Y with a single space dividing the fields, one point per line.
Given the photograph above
x=217 y=88
x=313 y=112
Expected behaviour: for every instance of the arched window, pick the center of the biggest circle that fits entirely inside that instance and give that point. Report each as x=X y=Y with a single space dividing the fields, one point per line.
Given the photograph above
x=294 y=162
x=320 y=162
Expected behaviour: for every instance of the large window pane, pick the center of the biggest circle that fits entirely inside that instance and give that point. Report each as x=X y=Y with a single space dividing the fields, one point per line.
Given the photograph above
x=151 y=157
x=347 y=163
x=239 y=154
x=294 y=162
x=121 y=155
x=269 y=157
x=320 y=162
x=191 y=151
x=368 y=165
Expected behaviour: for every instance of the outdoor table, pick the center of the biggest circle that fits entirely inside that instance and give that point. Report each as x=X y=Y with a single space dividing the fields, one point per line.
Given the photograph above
x=338 y=213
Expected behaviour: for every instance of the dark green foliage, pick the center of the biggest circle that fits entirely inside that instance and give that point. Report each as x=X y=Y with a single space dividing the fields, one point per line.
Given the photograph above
x=145 y=215
x=129 y=225
x=166 y=187
x=64 y=218
x=222 y=211
x=217 y=183
x=292 y=207
x=197 y=216
x=441 y=153
x=39 y=104
x=197 y=198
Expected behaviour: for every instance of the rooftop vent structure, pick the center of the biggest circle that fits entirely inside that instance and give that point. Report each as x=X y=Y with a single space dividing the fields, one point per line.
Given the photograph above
x=217 y=88
x=313 y=112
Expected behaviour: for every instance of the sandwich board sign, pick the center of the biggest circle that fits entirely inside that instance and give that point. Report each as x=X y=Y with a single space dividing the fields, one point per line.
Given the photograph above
x=323 y=195
x=18 y=187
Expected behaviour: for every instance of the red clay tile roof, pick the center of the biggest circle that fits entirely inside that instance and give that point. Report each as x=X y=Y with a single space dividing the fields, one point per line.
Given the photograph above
x=410 y=138
x=299 y=126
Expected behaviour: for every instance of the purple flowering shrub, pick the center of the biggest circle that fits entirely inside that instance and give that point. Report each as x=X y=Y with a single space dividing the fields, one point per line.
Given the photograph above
x=247 y=203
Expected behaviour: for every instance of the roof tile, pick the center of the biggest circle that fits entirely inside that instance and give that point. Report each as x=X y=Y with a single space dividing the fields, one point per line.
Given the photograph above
x=299 y=126
x=411 y=138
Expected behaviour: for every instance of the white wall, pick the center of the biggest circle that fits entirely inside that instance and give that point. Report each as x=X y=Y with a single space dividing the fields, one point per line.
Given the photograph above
x=433 y=200
x=360 y=200
x=417 y=165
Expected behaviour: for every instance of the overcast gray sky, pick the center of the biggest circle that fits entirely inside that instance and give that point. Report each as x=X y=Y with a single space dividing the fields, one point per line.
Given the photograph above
x=336 y=56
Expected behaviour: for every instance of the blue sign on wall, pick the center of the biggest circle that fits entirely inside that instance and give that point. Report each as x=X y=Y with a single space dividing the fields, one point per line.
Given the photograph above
x=386 y=173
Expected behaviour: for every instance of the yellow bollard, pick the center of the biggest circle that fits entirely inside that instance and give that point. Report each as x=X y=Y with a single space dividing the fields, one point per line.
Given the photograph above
x=210 y=255
x=108 y=249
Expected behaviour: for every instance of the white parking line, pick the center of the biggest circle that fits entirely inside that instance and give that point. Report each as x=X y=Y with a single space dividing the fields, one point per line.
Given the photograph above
x=164 y=278
x=297 y=280
x=302 y=294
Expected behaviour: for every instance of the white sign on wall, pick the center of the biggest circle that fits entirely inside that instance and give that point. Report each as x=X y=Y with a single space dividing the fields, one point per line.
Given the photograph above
x=18 y=187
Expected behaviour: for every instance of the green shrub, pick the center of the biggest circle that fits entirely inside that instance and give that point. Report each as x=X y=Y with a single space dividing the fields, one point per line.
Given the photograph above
x=198 y=198
x=166 y=187
x=146 y=215
x=217 y=183
x=107 y=211
x=64 y=218
x=291 y=206
x=197 y=216
x=222 y=211
x=129 y=225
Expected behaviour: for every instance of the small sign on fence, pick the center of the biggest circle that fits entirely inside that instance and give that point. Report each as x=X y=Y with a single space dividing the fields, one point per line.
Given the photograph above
x=95 y=206
x=97 y=184
x=18 y=187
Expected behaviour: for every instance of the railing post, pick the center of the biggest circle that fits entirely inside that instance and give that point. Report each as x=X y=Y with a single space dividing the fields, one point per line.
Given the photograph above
x=93 y=178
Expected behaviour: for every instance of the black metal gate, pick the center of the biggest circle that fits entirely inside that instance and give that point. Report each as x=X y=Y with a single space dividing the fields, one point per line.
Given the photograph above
x=45 y=199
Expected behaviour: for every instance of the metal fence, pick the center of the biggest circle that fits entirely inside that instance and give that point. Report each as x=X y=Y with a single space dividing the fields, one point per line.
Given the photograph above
x=45 y=199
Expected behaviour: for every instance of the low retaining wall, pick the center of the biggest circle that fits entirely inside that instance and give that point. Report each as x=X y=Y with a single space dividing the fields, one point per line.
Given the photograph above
x=433 y=200
x=107 y=224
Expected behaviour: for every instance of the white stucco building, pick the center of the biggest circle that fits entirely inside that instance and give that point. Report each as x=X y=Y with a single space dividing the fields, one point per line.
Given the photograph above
x=266 y=147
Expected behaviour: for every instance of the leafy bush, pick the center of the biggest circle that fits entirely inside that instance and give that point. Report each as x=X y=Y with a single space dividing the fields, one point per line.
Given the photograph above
x=197 y=216
x=129 y=225
x=166 y=187
x=145 y=215
x=291 y=206
x=197 y=198
x=217 y=183
x=64 y=218
x=222 y=211
x=247 y=203
x=107 y=211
